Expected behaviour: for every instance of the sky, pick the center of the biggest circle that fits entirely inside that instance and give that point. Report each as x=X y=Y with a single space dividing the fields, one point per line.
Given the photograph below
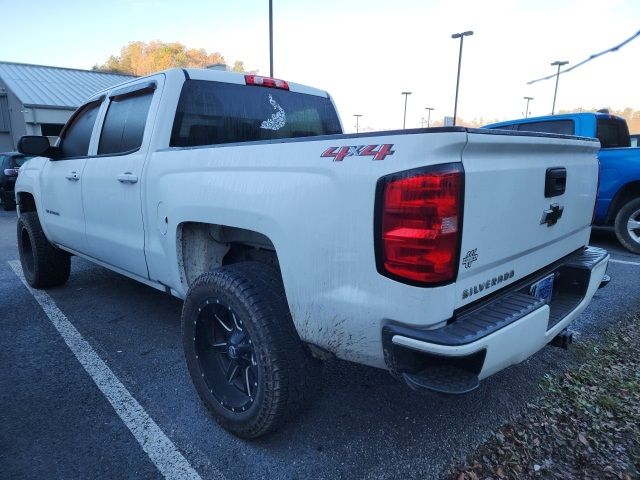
x=366 y=52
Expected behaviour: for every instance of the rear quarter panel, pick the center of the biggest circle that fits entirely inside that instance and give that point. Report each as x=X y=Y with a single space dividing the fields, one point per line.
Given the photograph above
x=319 y=215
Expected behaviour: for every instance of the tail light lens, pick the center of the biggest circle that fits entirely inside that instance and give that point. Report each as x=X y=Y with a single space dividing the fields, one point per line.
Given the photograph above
x=419 y=224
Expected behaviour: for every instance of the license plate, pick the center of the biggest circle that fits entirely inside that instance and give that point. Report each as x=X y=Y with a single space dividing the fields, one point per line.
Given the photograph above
x=543 y=289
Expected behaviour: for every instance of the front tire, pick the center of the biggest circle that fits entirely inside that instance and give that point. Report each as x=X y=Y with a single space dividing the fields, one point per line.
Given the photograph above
x=627 y=225
x=43 y=265
x=244 y=355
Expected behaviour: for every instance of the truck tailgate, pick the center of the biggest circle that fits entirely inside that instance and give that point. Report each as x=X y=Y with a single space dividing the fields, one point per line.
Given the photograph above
x=528 y=202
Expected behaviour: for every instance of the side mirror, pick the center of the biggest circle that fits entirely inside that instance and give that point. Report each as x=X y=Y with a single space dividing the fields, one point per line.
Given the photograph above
x=34 y=145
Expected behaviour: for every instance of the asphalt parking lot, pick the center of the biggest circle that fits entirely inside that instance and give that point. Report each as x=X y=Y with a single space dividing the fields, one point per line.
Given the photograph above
x=56 y=423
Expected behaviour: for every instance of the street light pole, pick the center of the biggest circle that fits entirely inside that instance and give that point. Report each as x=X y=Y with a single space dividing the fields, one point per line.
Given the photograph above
x=461 y=37
x=526 y=112
x=271 y=38
x=559 y=63
x=429 y=115
x=357 y=115
x=404 y=122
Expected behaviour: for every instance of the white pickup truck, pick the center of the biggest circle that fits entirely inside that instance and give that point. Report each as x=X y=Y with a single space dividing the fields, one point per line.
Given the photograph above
x=442 y=255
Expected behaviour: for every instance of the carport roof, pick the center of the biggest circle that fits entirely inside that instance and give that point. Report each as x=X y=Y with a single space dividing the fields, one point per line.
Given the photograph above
x=57 y=87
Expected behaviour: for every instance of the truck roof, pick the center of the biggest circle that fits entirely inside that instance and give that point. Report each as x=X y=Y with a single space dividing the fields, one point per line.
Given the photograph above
x=563 y=116
x=218 y=76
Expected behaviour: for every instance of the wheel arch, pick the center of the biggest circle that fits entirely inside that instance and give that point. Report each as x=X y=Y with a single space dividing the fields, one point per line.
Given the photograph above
x=26 y=202
x=204 y=246
x=626 y=193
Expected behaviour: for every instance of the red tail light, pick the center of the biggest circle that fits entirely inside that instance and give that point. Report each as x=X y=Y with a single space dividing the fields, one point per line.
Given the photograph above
x=265 y=82
x=419 y=224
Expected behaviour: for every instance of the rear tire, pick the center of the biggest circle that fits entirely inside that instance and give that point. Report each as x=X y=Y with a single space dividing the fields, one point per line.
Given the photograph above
x=627 y=225
x=43 y=265
x=236 y=324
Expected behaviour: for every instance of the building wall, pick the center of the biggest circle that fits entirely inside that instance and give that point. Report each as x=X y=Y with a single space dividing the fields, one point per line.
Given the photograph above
x=5 y=127
x=17 y=120
x=6 y=141
x=34 y=117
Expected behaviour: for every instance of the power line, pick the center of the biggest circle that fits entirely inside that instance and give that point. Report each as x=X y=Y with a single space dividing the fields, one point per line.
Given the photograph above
x=592 y=57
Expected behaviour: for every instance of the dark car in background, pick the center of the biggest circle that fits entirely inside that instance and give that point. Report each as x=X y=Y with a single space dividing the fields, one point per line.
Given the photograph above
x=10 y=162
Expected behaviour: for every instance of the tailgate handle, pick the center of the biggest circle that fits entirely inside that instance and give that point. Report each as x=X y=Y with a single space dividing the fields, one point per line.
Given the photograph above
x=555 y=182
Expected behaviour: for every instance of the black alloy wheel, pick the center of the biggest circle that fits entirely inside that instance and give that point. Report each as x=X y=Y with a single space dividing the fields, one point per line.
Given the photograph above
x=226 y=356
x=243 y=352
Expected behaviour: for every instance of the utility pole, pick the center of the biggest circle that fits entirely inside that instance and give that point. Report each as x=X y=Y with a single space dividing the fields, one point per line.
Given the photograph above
x=271 y=38
x=461 y=37
x=357 y=115
x=404 y=122
x=526 y=111
x=559 y=63
x=429 y=109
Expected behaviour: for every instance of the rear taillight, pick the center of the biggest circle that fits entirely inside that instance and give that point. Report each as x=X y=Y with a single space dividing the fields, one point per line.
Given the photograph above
x=265 y=82
x=419 y=224
x=11 y=172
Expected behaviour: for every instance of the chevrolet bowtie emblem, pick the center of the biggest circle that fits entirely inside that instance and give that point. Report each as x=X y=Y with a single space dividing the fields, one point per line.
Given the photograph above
x=551 y=216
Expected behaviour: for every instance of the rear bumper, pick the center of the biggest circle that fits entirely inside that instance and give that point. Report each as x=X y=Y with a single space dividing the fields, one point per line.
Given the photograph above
x=502 y=330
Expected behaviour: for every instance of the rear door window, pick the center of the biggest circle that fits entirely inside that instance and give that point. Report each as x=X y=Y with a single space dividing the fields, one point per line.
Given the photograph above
x=560 y=127
x=77 y=135
x=124 y=123
x=211 y=113
x=613 y=133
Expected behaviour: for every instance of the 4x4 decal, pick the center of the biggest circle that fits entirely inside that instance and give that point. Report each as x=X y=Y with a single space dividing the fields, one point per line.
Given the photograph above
x=378 y=152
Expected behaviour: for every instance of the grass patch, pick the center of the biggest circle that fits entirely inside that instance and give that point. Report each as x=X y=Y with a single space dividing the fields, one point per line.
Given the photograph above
x=587 y=425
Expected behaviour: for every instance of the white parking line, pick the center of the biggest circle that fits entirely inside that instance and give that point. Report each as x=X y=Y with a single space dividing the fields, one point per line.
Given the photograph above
x=624 y=262
x=161 y=450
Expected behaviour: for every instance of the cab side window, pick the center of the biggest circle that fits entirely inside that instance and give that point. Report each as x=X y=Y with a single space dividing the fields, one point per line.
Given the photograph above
x=561 y=127
x=76 y=135
x=124 y=123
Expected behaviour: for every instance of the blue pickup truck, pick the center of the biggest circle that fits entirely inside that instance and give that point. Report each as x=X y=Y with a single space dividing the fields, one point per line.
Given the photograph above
x=618 y=201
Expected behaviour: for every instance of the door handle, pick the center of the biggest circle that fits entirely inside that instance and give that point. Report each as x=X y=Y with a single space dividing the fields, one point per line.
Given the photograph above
x=73 y=176
x=127 y=177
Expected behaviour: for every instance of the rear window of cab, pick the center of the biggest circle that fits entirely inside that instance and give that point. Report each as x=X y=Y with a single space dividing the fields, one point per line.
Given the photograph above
x=210 y=113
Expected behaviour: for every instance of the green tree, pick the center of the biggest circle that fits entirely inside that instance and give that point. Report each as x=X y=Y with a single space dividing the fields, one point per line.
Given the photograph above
x=142 y=58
